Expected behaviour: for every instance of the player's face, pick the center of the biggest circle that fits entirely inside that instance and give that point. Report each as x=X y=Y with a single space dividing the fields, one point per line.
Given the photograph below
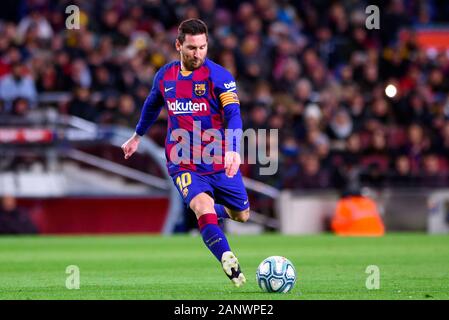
x=193 y=51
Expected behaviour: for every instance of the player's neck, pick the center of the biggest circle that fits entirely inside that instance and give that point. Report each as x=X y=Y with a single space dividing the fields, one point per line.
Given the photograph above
x=184 y=72
x=183 y=68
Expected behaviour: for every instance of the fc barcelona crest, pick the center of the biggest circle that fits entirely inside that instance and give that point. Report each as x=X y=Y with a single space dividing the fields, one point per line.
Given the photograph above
x=200 y=89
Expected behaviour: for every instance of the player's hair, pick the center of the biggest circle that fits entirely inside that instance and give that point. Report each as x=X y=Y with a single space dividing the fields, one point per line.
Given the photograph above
x=192 y=27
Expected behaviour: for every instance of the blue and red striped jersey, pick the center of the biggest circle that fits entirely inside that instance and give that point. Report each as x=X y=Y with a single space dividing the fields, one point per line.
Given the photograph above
x=198 y=100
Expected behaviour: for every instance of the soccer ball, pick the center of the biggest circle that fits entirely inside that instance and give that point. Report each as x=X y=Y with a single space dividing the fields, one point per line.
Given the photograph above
x=276 y=274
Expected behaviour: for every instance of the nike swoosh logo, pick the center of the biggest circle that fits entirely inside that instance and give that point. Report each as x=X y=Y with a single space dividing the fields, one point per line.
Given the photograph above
x=168 y=89
x=245 y=202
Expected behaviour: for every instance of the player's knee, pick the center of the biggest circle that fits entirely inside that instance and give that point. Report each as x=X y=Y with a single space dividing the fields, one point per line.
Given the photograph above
x=202 y=205
x=242 y=216
x=200 y=208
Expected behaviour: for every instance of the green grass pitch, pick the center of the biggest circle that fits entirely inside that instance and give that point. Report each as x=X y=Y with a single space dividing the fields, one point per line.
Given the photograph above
x=412 y=266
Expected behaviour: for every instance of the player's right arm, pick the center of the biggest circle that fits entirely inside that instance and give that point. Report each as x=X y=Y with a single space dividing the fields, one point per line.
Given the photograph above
x=150 y=111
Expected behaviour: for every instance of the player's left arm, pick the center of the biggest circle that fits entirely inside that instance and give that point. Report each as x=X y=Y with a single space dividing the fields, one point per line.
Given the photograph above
x=227 y=94
x=234 y=123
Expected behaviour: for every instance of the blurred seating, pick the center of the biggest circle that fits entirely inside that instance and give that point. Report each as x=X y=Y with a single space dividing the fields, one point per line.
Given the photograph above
x=319 y=81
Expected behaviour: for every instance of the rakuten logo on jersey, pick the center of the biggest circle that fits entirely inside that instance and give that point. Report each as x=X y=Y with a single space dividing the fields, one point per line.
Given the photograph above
x=178 y=107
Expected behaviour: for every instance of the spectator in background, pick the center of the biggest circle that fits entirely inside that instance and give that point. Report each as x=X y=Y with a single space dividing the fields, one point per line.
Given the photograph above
x=418 y=111
x=80 y=74
x=14 y=220
x=81 y=106
x=312 y=116
x=258 y=117
x=401 y=175
x=357 y=111
x=347 y=163
x=290 y=73
x=318 y=142
x=62 y=63
x=9 y=54
x=353 y=151
x=20 y=107
x=373 y=176
x=102 y=79
x=432 y=173
x=127 y=114
x=311 y=175
x=48 y=80
x=17 y=85
x=379 y=115
x=340 y=126
x=250 y=53
x=107 y=108
x=377 y=151
x=303 y=91
x=418 y=143
x=35 y=20
x=442 y=144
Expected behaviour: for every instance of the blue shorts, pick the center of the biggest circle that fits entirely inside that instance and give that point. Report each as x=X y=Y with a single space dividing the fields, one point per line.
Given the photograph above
x=229 y=192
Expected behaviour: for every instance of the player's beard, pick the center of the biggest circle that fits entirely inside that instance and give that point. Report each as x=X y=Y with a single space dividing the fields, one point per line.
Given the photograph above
x=192 y=64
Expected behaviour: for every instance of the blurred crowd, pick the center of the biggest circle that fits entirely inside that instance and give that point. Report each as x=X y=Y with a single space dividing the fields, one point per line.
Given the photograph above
x=13 y=218
x=308 y=68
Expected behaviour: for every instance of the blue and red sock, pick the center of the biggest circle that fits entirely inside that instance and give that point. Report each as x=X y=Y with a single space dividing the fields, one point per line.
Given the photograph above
x=213 y=236
x=221 y=211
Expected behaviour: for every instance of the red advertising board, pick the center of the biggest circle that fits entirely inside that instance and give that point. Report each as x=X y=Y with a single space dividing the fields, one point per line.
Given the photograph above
x=25 y=135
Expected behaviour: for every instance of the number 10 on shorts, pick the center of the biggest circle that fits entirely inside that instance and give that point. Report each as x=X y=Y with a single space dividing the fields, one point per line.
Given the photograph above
x=184 y=180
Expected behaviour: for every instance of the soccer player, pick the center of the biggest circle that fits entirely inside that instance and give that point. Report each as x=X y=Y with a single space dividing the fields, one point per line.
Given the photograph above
x=200 y=93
